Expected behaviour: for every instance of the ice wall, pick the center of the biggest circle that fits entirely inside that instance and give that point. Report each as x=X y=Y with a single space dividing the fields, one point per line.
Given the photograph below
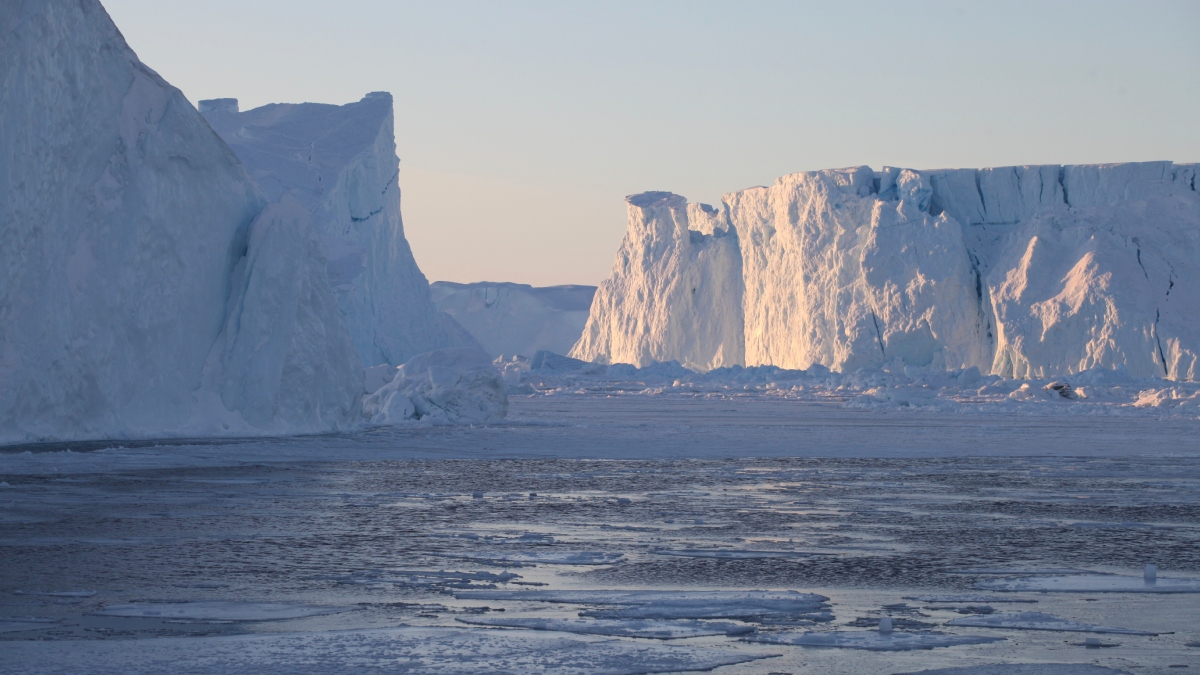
x=1030 y=271
x=144 y=291
x=340 y=162
x=675 y=292
x=509 y=319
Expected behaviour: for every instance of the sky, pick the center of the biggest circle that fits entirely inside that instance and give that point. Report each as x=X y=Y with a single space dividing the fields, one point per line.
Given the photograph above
x=521 y=125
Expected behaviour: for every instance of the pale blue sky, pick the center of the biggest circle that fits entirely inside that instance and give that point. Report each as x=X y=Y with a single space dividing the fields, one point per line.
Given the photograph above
x=521 y=125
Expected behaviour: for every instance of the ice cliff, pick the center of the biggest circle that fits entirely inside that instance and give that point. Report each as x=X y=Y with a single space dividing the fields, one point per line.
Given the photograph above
x=150 y=287
x=1033 y=271
x=510 y=319
x=340 y=163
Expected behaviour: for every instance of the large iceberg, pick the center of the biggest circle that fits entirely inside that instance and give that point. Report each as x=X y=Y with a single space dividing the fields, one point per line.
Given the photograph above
x=340 y=163
x=1033 y=271
x=150 y=286
x=517 y=319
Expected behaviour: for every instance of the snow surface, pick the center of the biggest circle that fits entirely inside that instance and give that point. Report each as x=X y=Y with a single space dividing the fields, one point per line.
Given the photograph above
x=517 y=319
x=1038 y=621
x=1029 y=272
x=340 y=163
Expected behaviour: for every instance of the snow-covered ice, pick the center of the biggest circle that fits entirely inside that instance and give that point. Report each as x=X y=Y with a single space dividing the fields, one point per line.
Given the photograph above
x=1038 y=621
x=517 y=319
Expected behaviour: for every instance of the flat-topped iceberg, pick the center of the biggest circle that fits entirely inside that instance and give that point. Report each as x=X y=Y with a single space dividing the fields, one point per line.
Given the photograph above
x=1025 y=272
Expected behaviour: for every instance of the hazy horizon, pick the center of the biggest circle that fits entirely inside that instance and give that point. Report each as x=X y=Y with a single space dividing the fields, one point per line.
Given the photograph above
x=521 y=126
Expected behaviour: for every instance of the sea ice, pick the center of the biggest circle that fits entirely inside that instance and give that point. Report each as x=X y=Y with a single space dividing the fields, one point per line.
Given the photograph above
x=1025 y=669
x=399 y=651
x=659 y=630
x=545 y=558
x=1092 y=583
x=18 y=624
x=730 y=554
x=205 y=611
x=1038 y=621
x=872 y=640
x=965 y=598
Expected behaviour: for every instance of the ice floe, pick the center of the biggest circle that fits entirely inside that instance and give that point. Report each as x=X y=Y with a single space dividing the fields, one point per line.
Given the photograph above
x=872 y=640
x=660 y=630
x=18 y=624
x=439 y=580
x=544 y=558
x=966 y=598
x=1025 y=669
x=1038 y=621
x=730 y=554
x=216 y=611
x=1092 y=583
x=408 y=650
x=646 y=605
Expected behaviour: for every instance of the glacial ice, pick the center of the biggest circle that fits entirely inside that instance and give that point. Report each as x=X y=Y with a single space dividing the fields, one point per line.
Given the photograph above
x=1038 y=621
x=1027 y=272
x=340 y=163
x=872 y=640
x=445 y=386
x=517 y=319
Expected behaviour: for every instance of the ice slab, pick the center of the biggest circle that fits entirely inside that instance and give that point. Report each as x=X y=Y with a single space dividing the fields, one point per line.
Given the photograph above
x=659 y=630
x=965 y=598
x=546 y=558
x=1025 y=669
x=730 y=554
x=1038 y=621
x=1092 y=583
x=17 y=624
x=216 y=611
x=404 y=650
x=873 y=640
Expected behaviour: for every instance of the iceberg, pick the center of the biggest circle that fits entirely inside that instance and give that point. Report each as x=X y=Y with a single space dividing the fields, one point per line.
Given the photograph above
x=1022 y=272
x=517 y=319
x=340 y=163
x=445 y=386
x=148 y=286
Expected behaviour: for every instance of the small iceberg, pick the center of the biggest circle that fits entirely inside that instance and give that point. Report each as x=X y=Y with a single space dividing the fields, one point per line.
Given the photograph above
x=215 y=611
x=1038 y=621
x=659 y=630
x=872 y=640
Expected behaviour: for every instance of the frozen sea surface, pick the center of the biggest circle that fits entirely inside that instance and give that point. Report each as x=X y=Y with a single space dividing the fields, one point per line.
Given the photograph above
x=436 y=550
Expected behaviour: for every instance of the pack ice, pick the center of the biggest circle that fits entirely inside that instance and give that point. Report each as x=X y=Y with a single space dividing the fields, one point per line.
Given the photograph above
x=517 y=319
x=148 y=285
x=1026 y=272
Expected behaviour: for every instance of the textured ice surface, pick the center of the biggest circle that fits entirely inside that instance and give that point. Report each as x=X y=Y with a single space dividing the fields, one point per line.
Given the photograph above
x=659 y=630
x=1038 y=621
x=516 y=319
x=445 y=386
x=873 y=640
x=216 y=611
x=1028 y=272
x=1093 y=583
x=408 y=650
x=340 y=163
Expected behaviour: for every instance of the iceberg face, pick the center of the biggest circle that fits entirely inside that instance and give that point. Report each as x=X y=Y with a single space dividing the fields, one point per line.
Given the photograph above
x=146 y=288
x=675 y=292
x=445 y=386
x=1027 y=271
x=340 y=163
x=121 y=216
x=515 y=319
